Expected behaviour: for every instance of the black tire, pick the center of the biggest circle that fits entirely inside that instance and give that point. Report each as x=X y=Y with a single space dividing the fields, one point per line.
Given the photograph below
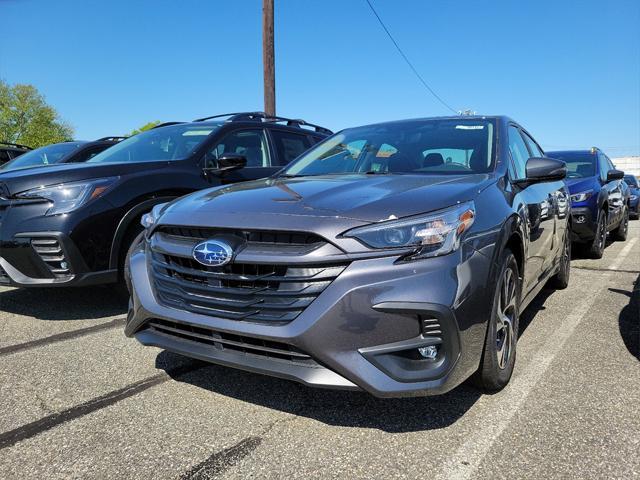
x=595 y=249
x=499 y=354
x=620 y=233
x=560 y=280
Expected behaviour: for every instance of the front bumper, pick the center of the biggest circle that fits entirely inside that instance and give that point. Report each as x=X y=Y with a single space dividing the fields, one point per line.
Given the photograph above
x=583 y=225
x=361 y=332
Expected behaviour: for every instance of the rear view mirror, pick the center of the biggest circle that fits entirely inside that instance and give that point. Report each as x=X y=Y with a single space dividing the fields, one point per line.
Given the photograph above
x=227 y=162
x=614 y=175
x=542 y=169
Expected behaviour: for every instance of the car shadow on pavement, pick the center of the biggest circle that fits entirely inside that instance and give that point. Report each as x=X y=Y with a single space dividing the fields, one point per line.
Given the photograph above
x=629 y=319
x=332 y=407
x=63 y=303
x=340 y=407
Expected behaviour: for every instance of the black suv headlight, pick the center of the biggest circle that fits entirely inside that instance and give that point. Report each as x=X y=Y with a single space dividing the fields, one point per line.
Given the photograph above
x=433 y=234
x=66 y=197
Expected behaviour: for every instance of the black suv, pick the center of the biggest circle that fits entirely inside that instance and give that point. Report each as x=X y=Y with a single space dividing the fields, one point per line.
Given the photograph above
x=64 y=152
x=73 y=224
x=9 y=151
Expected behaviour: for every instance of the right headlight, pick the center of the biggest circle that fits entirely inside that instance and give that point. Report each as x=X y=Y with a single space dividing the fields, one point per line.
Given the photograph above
x=582 y=196
x=432 y=234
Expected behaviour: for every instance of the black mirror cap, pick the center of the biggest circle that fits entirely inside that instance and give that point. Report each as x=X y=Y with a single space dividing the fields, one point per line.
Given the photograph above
x=226 y=163
x=614 y=175
x=542 y=169
x=231 y=161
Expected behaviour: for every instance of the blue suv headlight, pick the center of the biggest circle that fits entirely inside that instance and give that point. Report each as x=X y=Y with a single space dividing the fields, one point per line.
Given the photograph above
x=582 y=196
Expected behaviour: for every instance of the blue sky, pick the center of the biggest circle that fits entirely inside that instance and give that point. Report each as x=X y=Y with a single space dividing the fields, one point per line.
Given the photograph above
x=568 y=71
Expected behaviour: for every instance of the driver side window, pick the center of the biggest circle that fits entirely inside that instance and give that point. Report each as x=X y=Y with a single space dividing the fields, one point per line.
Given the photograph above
x=250 y=143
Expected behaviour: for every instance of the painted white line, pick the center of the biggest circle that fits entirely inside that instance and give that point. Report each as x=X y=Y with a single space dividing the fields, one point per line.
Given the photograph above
x=501 y=407
x=622 y=256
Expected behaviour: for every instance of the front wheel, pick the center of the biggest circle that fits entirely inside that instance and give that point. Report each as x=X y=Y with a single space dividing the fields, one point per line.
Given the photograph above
x=596 y=248
x=620 y=233
x=499 y=355
x=561 y=279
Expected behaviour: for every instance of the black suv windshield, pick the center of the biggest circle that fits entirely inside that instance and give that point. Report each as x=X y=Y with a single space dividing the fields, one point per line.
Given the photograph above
x=427 y=147
x=579 y=164
x=173 y=142
x=42 y=156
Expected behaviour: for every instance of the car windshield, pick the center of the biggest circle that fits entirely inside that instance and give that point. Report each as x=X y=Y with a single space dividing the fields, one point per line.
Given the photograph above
x=42 y=156
x=424 y=147
x=579 y=164
x=631 y=181
x=173 y=142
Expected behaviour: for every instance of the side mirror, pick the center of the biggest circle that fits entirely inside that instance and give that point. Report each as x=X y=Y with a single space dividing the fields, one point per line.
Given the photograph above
x=542 y=169
x=614 y=175
x=226 y=163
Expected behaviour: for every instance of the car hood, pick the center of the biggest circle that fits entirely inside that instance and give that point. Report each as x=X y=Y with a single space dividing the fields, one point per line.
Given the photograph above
x=577 y=185
x=359 y=198
x=16 y=181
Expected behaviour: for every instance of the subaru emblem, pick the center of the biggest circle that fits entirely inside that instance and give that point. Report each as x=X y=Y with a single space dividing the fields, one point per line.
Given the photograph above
x=212 y=253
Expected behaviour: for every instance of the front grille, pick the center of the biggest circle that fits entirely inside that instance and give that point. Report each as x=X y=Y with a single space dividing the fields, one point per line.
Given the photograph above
x=240 y=291
x=253 y=236
x=51 y=253
x=232 y=342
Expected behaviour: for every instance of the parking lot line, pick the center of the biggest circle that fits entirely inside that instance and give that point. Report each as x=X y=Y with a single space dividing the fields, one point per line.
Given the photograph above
x=60 y=337
x=464 y=462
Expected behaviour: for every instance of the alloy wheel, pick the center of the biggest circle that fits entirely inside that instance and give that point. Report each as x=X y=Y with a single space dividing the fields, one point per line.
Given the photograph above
x=602 y=232
x=506 y=318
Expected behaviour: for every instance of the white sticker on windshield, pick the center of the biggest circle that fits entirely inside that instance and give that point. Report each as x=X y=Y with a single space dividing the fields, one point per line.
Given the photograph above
x=470 y=127
x=196 y=133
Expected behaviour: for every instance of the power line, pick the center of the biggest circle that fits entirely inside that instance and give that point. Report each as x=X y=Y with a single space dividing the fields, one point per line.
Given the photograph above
x=406 y=59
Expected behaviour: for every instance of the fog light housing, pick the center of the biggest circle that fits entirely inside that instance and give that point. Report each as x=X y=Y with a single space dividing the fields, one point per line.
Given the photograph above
x=580 y=219
x=430 y=352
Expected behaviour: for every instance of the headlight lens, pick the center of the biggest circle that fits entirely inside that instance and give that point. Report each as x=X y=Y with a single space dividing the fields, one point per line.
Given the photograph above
x=582 y=196
x=66 y=197
x=148 y=220
x=434 y=234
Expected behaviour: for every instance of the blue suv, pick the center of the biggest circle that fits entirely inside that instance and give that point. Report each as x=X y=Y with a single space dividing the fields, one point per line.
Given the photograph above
x=599 y=198
x=634 y=197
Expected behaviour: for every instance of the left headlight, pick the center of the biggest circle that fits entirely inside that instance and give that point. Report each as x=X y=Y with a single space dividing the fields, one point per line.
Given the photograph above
x=66 y=197
x=433 y=234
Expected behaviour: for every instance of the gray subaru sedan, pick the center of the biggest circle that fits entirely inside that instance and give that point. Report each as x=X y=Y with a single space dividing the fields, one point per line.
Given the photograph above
x=393 y=258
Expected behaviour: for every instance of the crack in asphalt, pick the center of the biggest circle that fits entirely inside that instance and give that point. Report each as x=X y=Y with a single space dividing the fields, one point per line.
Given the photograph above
x=221 y=461
x=11 y=437
x=607 y=270
x=61 y=337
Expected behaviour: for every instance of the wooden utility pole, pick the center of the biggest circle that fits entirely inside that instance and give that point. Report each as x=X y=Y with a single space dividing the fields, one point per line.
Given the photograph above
x=268 y=58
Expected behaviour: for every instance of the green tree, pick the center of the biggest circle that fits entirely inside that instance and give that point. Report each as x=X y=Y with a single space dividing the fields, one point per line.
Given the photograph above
x=26 y=118
x=145 y=127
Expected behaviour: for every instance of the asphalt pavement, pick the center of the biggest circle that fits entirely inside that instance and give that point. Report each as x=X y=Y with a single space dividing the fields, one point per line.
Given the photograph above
x=80 y=400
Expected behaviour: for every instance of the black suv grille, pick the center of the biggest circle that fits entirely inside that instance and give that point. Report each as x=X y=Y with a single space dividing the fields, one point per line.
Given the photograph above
x=255 y=236
x=233 y=342
x=255 y=292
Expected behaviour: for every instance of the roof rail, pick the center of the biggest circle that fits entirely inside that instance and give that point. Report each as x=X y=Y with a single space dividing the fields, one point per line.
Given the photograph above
x=111 y=139
x=263 y=117
x=16 y=145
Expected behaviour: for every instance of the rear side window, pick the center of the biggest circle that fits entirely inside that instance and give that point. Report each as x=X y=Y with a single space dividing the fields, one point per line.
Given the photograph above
x=289 y=145
x=519 y=153
x=4 y=156
x=89 y=153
